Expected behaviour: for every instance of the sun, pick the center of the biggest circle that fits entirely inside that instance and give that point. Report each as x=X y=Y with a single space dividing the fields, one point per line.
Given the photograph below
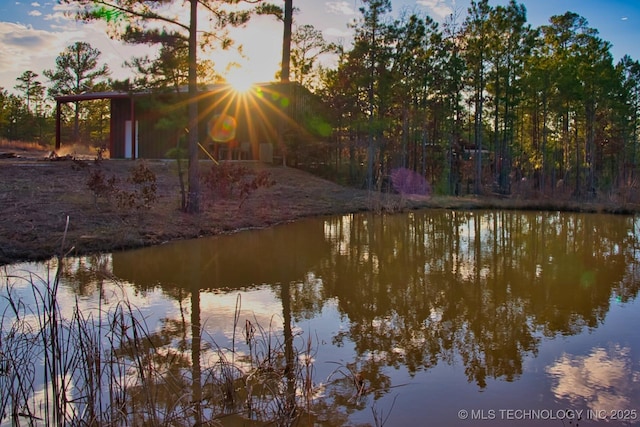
x=242 y=80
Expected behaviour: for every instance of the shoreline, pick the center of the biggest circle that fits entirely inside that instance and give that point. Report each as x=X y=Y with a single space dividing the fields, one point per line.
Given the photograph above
x=38 y=196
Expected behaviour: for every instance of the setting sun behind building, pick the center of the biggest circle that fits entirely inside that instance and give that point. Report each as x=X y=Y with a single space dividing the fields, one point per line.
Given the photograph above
x=241 y=80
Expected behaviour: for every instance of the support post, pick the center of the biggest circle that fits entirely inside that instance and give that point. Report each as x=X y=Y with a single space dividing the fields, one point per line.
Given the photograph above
x=58 y=132
x=133 y=130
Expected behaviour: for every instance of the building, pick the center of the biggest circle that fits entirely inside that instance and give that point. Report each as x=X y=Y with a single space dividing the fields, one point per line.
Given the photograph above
x=255 y=124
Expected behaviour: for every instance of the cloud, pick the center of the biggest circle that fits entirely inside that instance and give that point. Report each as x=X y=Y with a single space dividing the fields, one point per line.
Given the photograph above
x=624 y=18
x=335 y=32
x=35 y=13
x=35 y=4
x=28 y=49
x=62 y=12
x=605 y=379
x=36 y=50
x=20 y=36
x=340 y=8
x=440 y=8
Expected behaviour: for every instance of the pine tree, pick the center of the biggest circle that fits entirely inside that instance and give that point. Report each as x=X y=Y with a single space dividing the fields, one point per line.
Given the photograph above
x=139 y=16
x=76 y=72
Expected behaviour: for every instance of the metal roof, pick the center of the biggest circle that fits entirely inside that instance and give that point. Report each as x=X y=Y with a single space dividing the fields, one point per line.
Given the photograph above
x=88 y=96
x=91 y=96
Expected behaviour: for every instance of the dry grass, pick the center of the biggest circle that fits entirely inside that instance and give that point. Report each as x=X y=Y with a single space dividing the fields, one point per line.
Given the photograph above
x=36 y=197
x=30 y=149
x=21 y=146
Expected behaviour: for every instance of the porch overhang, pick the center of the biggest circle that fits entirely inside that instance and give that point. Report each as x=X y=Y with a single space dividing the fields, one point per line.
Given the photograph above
x=91 y=96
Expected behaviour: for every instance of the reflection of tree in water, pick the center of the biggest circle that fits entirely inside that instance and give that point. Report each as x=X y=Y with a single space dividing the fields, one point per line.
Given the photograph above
x=162 y=376
x=86 y=275
x=479 y=285
x=418 y=289
x=307 y=297
x=349 y=387
x=269 y=256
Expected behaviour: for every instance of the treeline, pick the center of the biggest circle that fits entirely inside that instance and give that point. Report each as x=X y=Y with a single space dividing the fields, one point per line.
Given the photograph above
x=484 y=104
x=29 y=115
x=26 y=116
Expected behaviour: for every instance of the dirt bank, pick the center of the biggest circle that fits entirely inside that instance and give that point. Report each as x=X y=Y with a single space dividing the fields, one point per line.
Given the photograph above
x=37 y=197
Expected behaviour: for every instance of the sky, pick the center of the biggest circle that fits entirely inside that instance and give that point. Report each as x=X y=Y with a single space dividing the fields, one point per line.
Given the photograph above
x=34 y=32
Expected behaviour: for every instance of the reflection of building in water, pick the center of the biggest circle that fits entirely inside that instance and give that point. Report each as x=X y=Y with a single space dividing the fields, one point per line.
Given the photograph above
x=267 y=256
x=603 y=380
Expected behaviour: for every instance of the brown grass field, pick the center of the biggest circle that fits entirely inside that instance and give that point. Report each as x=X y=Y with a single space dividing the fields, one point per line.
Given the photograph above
x=37 y=196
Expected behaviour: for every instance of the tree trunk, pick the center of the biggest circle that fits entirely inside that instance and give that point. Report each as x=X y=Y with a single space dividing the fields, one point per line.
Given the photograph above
x=578 y=190
x=371 y=95
x=544 y=146
x=590 y=147
x=286 y=41
x=196 y=343
x=76 y=122
x=289 y=356
x=193 y=202
x=285 y=71
x=478 y=135
x=405 y=136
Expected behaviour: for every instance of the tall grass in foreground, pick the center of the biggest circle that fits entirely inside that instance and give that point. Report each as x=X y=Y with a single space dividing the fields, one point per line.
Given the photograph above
x=106 y=367
x=68 y=371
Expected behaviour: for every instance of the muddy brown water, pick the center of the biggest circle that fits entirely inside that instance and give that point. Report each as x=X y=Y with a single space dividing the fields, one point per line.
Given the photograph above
x=447 y=317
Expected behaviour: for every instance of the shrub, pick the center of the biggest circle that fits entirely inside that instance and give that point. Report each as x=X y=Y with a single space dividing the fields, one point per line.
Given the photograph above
x=141 y=194
x=228 y=180
x=145 y=187
x=100 y=185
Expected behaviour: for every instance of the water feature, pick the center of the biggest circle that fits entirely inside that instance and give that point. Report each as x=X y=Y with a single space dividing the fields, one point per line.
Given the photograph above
x=429 y=317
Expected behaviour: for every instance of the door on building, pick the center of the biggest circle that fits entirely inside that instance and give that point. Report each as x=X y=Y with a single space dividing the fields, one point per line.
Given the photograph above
x=129 y=147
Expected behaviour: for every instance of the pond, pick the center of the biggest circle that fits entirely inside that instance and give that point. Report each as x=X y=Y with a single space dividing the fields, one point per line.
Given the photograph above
x=429 y=317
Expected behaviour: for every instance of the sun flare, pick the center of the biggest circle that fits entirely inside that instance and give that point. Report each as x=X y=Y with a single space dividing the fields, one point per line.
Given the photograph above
x=241 y=80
